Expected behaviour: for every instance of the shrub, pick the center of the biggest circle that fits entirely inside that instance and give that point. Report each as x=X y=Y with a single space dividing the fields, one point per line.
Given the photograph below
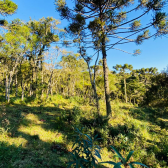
x=85 y=152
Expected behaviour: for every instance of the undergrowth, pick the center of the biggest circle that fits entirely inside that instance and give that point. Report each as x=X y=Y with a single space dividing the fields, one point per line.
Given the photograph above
x=39 y=133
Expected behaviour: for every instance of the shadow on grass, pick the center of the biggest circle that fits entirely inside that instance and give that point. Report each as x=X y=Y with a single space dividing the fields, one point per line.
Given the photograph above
x=13 y=156
x=36 y=152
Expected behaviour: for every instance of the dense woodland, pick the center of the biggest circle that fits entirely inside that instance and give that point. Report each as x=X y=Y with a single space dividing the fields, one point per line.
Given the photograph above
x=48 y=91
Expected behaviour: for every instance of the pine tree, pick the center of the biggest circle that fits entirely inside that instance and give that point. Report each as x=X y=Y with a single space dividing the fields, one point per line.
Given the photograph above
x=97 y=22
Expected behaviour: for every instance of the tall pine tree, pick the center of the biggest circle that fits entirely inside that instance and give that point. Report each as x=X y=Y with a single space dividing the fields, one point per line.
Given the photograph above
x=103 y=24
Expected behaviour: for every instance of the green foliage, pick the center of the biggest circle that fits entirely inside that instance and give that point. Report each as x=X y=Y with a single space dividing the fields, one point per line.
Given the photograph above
x=124 y=161
x=142 y=130
x=85 y=151
x=7 y=7
x=9 y=154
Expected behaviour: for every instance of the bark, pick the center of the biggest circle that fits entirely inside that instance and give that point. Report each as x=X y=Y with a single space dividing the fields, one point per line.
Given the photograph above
x=94 y=89
x=31 y=78
x=105 y=68
x=106 y=82
x=9 y=83
x=6 y=87
x=30 y=92
x=35 y=79
x=16 y=86
x=125 y=89
x=49 y=85
x=93 y=84
x=11 y=86
x=22 y=90
x=42 y=81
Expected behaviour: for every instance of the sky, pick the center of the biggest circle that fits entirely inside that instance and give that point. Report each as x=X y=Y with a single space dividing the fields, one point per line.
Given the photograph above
x=154 y=52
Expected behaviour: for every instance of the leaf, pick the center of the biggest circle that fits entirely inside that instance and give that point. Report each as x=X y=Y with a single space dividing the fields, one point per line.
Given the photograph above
x=119 y=155
x=129 y=155
x=95 y=136
x=131 y=166
x=70 y=163
x=138 y=163
x=81 y=165
x=118 y=165
x=97 y=154
x=109 y=162
x=88 y=137
x=74 y=157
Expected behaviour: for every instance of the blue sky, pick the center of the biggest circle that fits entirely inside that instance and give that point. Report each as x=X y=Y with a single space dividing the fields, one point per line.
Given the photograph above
x=154 y=52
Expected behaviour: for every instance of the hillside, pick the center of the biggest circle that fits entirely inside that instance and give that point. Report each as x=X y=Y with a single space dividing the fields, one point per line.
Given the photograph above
x=39 y=134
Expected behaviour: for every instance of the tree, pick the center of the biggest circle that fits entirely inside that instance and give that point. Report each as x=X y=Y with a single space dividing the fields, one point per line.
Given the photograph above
x=14 y=46
x=7 y=7
x=122 y=70
x=72 y=66
x=43 y=33
x=104 y=20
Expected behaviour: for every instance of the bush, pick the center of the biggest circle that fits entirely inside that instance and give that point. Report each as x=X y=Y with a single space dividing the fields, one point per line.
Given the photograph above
x=86 y=152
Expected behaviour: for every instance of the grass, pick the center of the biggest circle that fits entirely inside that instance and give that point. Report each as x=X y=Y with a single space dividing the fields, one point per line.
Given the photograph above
x=40 y=134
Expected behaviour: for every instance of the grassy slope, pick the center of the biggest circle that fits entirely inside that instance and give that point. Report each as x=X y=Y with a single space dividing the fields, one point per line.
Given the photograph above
x=38 y=134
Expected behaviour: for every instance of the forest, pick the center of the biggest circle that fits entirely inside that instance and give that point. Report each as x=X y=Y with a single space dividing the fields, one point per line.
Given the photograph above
x=61 y=107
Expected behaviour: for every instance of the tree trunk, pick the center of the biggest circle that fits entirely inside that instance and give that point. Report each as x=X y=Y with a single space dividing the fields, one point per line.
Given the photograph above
x=6 y=87
x=49 y=85
x=30 y=92
x=11 y=86
x=42 y=81
x=106 y=82
x=125 y=88
x=105 y=68
x=9 y=82
x=95 y=91
x=35 y=80
x=16 y=86
x=22 y=90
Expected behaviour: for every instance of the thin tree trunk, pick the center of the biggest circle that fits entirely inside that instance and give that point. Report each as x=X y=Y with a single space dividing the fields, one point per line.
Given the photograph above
x=125 y=88
x=6 y=87
x=30 y=92
x=31 y=78
x=49 y=85
x=11 y=86
x=16 y=86
x=22 y=90
x=94 y=89
x=35 y=80
x=9 y=82
x=42 y=81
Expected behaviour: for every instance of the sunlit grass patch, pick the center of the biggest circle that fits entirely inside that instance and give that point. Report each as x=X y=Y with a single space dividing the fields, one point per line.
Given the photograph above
x=46 y=136
x=17 y=141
